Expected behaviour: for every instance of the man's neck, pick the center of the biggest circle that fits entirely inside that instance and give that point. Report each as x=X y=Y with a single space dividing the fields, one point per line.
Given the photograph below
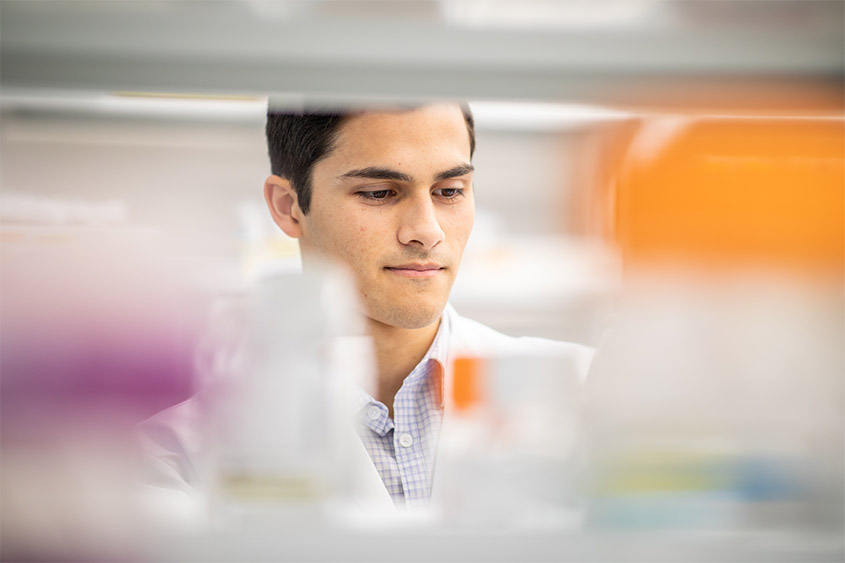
x=398 y=351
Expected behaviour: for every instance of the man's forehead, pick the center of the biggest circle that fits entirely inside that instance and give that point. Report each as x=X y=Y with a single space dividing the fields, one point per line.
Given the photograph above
x=439 y=128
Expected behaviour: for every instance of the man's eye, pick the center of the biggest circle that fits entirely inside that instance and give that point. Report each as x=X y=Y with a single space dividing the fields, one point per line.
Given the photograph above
x=376 y=195
x=449 y=193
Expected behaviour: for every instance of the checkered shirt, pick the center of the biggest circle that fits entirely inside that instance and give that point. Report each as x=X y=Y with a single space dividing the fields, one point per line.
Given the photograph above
x=402 y=448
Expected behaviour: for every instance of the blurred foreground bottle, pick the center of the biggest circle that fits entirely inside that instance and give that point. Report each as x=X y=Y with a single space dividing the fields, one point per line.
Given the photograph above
x=280 y=439
x=508 y=456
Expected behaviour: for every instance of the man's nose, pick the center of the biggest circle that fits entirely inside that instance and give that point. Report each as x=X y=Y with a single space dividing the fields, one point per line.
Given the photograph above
x=419 y=226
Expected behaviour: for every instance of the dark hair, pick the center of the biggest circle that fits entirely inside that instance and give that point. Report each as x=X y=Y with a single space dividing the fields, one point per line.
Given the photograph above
x=298 y=140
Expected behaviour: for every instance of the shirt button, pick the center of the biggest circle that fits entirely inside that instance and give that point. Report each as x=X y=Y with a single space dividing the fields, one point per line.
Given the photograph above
x=405 y=440
x=374 y=412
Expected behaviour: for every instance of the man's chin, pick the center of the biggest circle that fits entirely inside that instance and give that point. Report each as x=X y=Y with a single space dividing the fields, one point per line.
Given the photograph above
x=414 y=317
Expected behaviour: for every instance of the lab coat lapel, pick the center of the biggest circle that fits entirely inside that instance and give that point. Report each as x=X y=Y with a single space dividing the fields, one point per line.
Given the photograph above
x=366 y=488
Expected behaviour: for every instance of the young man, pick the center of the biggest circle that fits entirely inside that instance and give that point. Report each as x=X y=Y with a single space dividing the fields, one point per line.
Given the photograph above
x=390 y=195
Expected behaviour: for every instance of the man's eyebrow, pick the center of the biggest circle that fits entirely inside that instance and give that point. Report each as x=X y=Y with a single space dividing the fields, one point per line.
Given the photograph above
x=377 y=173
x=459 y=170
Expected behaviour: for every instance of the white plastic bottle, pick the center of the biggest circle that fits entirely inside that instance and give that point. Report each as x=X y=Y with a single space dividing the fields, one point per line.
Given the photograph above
x=508 y=457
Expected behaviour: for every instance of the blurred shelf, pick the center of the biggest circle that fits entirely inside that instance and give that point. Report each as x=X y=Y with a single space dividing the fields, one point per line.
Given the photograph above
x=664 y=52
x=490 y=545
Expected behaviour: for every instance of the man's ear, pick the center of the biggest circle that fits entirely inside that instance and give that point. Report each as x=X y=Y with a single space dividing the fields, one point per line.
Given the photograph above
x=283 y=204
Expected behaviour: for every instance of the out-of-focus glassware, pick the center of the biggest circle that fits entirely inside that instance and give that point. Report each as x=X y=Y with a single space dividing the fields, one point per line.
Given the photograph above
x=277 y=418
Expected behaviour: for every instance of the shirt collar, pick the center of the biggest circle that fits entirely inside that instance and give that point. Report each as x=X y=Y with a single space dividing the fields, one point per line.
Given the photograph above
x=438 y=352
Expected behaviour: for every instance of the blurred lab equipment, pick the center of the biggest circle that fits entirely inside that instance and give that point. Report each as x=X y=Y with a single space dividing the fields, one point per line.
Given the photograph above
x=715 y=401
x=719 y=409
x=278 y=444
x=97 y=333
x=509 y=456
x=725 y=192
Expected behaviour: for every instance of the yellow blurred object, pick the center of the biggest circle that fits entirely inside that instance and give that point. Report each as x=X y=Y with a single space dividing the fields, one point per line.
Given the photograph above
x=718 y=191
x=669 y=471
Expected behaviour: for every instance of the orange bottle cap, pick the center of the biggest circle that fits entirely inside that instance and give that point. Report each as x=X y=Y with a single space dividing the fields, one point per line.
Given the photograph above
x=466 y=383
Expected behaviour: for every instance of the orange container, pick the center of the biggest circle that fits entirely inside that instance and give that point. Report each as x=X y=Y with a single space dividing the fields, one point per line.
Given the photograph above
x=732 y=190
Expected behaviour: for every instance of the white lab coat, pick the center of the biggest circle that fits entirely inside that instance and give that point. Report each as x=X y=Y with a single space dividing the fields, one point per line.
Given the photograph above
x=172 y=439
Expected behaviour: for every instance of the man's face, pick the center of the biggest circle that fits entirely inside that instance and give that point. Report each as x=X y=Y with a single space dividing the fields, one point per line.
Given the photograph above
x=394 y=202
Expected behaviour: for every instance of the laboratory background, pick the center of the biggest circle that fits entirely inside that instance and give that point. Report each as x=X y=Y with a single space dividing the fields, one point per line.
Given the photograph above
x=661 y=180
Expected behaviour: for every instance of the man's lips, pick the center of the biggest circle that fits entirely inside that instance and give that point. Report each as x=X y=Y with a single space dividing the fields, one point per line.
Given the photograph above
x=414 y=270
